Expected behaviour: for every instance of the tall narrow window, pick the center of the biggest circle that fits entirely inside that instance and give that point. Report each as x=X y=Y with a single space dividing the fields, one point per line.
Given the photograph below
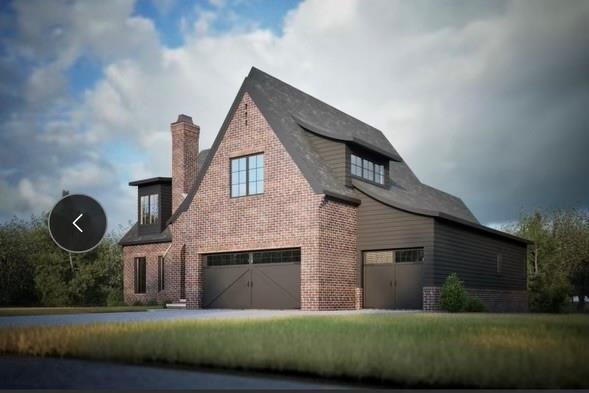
x=149 y=209
x=247 y=175
x=161 y=273
x=499 y=263
x=140 y=274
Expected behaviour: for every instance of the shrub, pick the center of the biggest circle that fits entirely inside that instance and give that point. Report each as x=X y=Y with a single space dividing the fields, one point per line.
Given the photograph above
x=115 y=298
x=474 y=304
x=453 y=296
x=151 y=303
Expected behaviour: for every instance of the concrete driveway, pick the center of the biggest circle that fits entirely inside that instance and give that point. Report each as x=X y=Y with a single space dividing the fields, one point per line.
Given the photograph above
x=169 y=315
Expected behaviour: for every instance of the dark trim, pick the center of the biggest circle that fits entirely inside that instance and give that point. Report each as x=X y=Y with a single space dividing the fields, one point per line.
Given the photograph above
x=140 y=242
x=447 y=217
x=151 y=180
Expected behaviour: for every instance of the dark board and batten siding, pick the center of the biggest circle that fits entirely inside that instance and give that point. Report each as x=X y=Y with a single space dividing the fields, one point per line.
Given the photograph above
x=381 y=227
x=473 y=256
x=333 y=153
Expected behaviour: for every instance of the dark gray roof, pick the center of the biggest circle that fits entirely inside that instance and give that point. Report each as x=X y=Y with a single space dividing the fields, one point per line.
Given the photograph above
x=292 y=113
x=133 y=237
x=151 y=180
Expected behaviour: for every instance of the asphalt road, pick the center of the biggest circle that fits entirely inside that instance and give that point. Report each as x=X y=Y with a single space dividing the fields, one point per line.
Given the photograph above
x=55 y=373
x=168 y=315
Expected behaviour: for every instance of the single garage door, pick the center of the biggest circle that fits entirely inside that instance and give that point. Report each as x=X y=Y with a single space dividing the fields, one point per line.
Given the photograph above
x=269 y=279
x=393 y=279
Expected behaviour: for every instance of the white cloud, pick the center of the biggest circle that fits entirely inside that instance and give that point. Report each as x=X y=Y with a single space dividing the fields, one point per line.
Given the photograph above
x=471 y=94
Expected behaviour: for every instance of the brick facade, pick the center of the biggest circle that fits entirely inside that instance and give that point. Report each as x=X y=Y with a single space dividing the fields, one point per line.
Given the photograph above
x=287 y=214
x=151 y=253
x=496 y=300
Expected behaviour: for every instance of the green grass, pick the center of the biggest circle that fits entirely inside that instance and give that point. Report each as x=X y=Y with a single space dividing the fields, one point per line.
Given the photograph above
x=16 y=311
x=477 y=350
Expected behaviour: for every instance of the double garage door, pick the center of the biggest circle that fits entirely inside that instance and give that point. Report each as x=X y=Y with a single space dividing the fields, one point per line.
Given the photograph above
x=393 y=279
x=259 y=279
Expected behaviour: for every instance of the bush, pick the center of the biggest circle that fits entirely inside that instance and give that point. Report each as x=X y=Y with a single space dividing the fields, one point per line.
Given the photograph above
x=151 y=303
x=547 y=293
x=474 y=304
x=453 y=296
x=115 y=298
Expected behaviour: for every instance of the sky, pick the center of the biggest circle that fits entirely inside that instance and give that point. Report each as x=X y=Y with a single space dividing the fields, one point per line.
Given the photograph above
x=487 y=100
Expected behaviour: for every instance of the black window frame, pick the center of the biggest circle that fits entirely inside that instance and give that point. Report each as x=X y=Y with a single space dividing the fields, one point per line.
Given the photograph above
x=370 y=170
x=150 y=217
x=407 y=253
x=161 y=273
x=140 y=275
x=247 y=175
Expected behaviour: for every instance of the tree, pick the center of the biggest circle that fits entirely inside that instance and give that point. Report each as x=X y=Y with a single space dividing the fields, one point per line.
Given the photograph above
x=558 y=261
x=35 y=271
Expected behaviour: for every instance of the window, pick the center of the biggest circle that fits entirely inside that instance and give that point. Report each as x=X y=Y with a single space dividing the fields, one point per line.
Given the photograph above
x=161 y=277
x=499 y=263
x=277 y=256
x=367 y=169
x=378 y=257
x=236 y=258
x=409 y=255
x=247 y=175
x=149 y=209
x=139 y=274
x=288 y=255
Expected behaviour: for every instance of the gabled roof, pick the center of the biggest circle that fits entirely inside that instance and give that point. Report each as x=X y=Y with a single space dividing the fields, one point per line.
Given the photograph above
x=292 y=113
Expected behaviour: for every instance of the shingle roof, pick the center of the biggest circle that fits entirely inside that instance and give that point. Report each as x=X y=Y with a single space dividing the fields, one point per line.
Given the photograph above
x=133 y=237
x=292 y=113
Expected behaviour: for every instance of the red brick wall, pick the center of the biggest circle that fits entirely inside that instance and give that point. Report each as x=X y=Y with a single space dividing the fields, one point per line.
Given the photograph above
x=184 y=153
x=496 y=300
x=338 y=267
x=285 y=215
x=151 y=253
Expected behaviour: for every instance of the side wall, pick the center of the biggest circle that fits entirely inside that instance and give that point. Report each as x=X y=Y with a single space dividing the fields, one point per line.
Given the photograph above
x=381 y=227
x=473 y=256
x=151 y=253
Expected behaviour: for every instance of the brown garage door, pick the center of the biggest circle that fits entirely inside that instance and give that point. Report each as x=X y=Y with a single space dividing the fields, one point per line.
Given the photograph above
x=268 y=279
x=393 y=279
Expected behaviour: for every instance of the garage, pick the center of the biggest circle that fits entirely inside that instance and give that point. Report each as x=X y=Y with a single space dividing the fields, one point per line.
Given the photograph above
x=263 y=279
x=393 y=279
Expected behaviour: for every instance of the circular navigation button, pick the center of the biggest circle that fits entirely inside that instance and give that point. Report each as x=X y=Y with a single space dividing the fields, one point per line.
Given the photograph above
x=77 y=223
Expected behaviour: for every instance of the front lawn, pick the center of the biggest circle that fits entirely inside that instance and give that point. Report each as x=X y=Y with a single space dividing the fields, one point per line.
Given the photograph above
x=477 y=350
x=16 y=311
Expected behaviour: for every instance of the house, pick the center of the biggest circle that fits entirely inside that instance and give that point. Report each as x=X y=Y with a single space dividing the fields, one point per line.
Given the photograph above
x=299 y=205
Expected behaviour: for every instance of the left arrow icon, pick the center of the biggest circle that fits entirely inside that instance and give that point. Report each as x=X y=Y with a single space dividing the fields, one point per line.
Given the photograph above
x=76 y=220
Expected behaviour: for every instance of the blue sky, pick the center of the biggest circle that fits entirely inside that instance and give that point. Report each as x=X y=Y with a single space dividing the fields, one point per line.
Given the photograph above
x=485 y=100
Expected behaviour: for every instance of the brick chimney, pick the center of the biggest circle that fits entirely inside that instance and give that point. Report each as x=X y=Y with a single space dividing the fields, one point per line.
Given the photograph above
x=184 y=151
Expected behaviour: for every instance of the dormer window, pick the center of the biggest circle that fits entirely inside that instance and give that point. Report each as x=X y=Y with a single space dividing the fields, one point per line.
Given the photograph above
x=149 y=209
x=367 y=170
